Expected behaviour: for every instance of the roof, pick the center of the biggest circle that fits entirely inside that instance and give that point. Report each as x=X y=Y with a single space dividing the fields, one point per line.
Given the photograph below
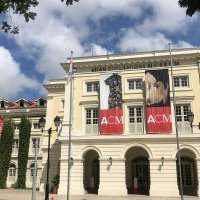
x=27 y=103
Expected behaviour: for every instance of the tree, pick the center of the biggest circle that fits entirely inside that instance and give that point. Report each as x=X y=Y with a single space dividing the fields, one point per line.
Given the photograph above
x=21 y=7
x=24 y=140
x=192 y=6
x=5 y=151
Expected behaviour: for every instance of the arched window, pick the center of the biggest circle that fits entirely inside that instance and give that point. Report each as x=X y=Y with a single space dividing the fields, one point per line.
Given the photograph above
x=12 y=170
x=21 y=103
x=2 y=104
x=41 y=102
x=32 y=166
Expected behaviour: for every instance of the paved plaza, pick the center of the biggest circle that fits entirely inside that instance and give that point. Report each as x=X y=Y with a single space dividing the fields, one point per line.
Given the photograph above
x=11 y=194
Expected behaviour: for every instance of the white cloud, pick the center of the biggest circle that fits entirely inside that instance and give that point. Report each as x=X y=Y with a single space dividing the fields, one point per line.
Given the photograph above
x=98 y=50
x=165 y=16
x=136 y=41
x=12 y=80
x=59 y=29
x=133 y=41
x=183 y=44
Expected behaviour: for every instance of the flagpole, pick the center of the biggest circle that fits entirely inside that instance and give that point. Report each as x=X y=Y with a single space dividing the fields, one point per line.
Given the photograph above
x=176 y=127
x=70 y=81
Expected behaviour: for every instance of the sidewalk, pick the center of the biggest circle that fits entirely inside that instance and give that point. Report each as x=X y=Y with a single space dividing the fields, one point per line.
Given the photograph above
x=11 y=194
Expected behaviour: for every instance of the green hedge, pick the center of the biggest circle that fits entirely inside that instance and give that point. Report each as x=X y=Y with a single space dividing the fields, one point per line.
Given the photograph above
x=24 y=140
x=5 y=150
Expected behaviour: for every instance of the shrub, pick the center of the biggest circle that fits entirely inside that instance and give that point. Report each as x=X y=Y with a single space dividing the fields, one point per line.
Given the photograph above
x=5 y=150
x=24 y=140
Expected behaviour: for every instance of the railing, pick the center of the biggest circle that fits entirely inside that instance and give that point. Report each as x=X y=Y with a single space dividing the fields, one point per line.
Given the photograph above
x=135 y=128
x=139 y=129
x=91 y=129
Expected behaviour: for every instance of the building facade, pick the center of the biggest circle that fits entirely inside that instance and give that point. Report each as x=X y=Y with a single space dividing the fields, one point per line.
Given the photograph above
x=133 y=162
x=33 y=110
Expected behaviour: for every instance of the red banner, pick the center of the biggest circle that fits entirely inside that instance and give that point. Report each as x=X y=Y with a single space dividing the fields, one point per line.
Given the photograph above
x=1 y=125
x=111 y=113
x=111 y=121
x=158 y=110
x=159 y=120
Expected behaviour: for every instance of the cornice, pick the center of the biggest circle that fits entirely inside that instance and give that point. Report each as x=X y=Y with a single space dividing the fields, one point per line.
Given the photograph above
x=126 y=59
x=88 y=102
x=54 y=86
x=22 y=112
x=146 y=138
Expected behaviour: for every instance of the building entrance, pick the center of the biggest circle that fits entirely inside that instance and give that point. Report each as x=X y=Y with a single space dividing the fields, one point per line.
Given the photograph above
x=189 y=176
x=140 y=174
x=91 y=172
x=137 y=171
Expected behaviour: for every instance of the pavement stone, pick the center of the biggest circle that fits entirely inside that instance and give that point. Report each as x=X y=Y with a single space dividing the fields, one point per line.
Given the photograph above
x=11 y=194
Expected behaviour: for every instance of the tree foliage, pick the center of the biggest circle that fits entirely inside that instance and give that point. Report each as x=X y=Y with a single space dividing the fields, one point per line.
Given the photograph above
x=192 y=6
x=24 y=140
x=5 y=151
x=21 y=7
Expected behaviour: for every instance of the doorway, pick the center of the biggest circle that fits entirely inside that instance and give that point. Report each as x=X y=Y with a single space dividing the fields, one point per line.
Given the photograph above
x=189 y=176
x=91 y=172
x=137 y=171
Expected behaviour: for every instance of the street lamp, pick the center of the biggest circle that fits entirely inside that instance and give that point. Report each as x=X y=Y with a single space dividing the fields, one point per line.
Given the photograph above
x=41 y=123
x=35 y=144
x=57 y=122
x=190 y=116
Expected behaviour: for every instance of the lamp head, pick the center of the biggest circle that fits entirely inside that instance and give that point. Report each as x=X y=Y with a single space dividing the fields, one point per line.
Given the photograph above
x=162 y=159
x=110 y=160
x=190 y=116
x=71 y=161
x=57 y=121
x=41 y=122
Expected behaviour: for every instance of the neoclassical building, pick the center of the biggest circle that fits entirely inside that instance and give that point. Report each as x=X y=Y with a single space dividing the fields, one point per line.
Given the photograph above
x=134 y=161
x=33 y=110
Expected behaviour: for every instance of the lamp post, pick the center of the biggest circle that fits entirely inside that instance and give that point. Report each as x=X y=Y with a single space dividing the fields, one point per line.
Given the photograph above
x=190 y=116
x=35 y=143
x=176 y=127
x=57 y=122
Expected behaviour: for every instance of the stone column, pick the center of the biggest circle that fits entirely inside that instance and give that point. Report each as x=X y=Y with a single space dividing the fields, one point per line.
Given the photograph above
x=163 y=178
x=112 y=177
x=76 y=181
x=63 y=168
x=64 y=139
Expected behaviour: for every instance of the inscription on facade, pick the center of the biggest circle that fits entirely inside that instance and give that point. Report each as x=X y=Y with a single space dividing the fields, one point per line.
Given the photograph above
x=133 y=66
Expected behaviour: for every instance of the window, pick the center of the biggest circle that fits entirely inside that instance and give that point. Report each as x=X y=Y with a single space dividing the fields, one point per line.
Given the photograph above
x=135 y=114
x=35 y=125
x=92 y=86
x=41 y=102
x=2 y=104
x=32 y=166
x=35 y=143
x=16 y=126
x=21 y=103
x=92 y=116
x=15 y=144
x=135 y=119
x=12 y=170
x=91 y=120
x=182 y=112
x=135 y=84
x=181 y=81
x=182 y=118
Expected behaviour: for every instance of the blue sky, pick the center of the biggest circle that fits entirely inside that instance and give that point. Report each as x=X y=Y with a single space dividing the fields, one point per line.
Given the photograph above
x=31 y=58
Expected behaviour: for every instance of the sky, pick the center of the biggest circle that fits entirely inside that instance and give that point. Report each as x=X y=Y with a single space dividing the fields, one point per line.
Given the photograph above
x=31 y=58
